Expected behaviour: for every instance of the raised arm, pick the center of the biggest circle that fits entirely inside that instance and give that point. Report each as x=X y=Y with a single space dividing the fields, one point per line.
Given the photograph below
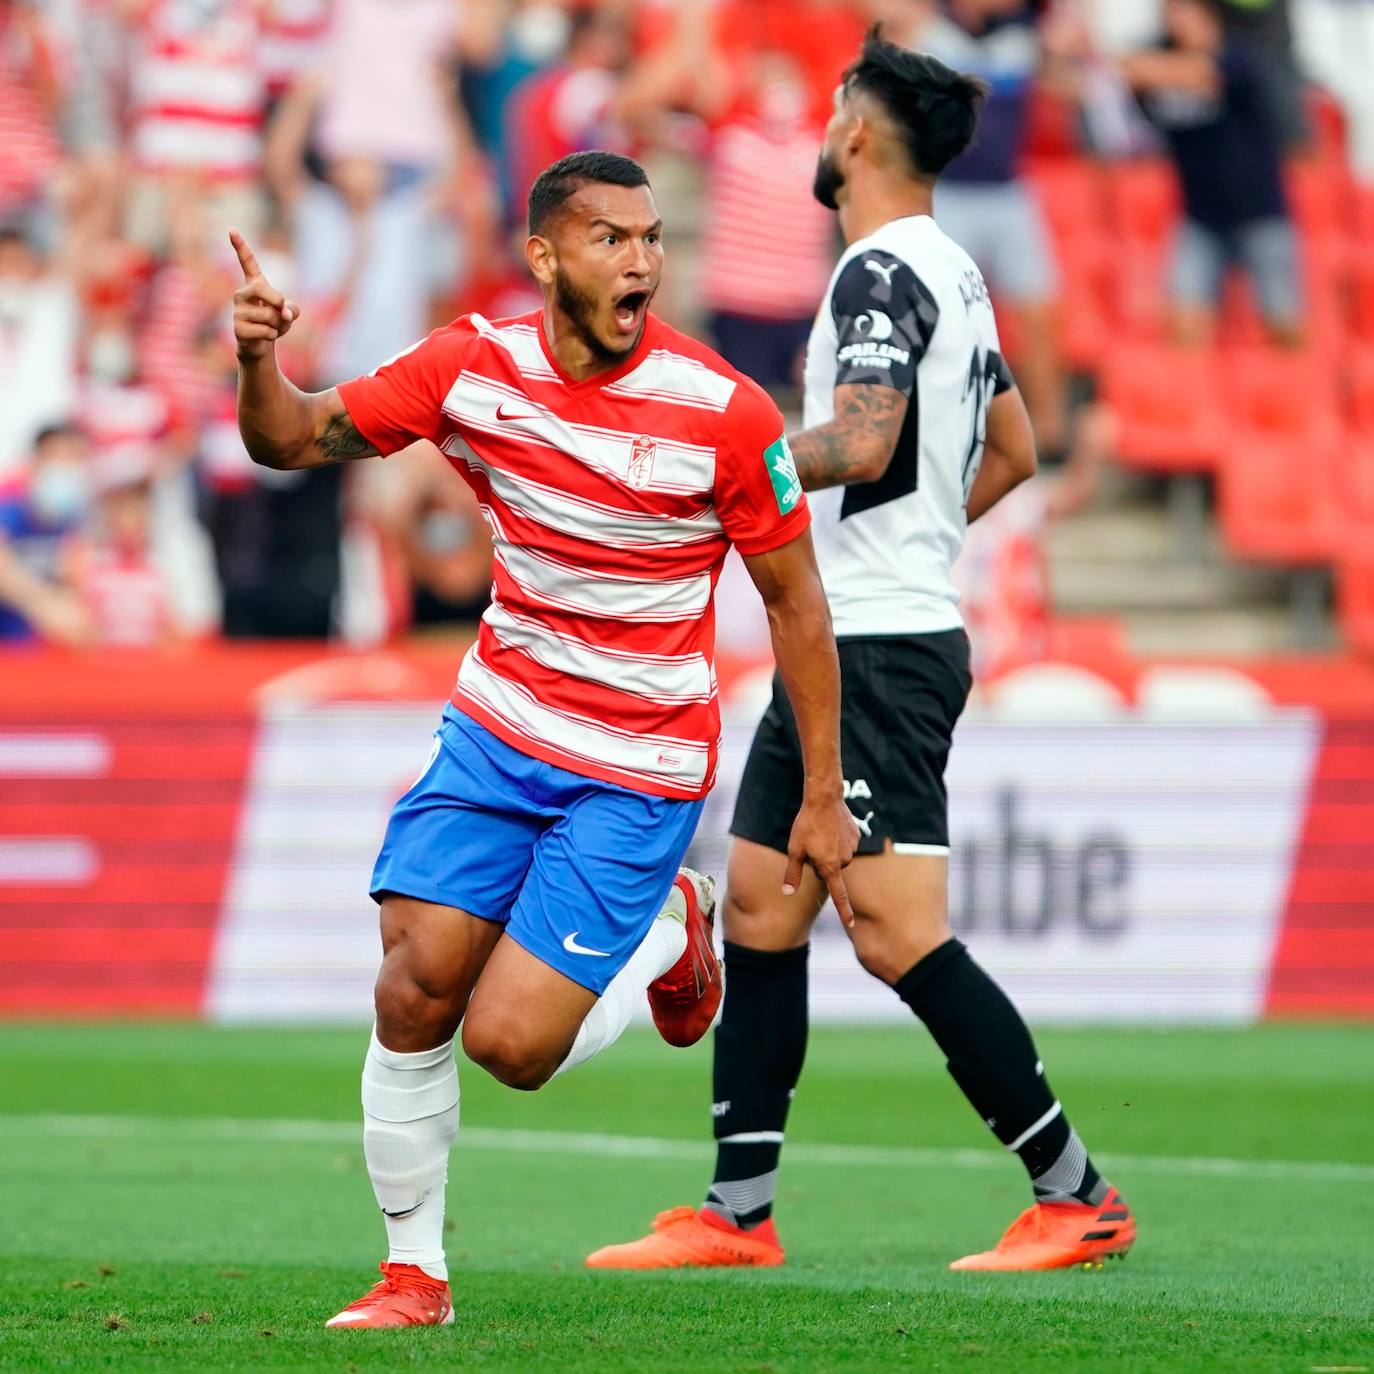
x=282 y=426
x=824 y=833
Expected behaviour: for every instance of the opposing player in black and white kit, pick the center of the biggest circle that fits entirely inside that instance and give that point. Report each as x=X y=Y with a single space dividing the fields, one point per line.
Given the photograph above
x=913 y=427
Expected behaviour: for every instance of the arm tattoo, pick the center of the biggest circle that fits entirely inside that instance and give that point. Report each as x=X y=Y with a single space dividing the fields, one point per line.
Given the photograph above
x=340 y=439
x=868 y=420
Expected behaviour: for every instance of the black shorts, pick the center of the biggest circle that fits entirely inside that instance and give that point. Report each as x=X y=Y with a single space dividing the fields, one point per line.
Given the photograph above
x=902 y=695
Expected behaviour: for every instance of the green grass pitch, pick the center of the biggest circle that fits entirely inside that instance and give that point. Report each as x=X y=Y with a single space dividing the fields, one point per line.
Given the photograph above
x=179 y=1197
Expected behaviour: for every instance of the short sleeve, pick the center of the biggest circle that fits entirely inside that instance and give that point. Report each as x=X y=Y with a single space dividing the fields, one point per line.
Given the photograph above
x=758 y=494
x=999 y=372
x=402 y=400
x=884 y=319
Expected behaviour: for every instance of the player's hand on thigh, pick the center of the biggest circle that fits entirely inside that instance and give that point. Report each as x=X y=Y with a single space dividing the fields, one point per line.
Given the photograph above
x=756 y=913
x=431 y=958
x=825 y=836
x=523 y=1017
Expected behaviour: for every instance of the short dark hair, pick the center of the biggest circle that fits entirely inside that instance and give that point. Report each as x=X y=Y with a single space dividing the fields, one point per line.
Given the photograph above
x=934 y=107
x=568 y=175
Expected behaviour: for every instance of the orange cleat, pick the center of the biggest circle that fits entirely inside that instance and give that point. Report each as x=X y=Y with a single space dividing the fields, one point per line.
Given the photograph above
x=406 y=1296
x=684 y=1238
x=685 y=1000
x=1058 y=1235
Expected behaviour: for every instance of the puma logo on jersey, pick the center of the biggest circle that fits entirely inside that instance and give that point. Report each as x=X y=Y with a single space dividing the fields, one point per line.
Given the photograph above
x=865 y=823
x=879 y=270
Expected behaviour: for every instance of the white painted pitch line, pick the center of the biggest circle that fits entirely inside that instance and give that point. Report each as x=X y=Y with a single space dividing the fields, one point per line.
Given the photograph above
x=289 y=1131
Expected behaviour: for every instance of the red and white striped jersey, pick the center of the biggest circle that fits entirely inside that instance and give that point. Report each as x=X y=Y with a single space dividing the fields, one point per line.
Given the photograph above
x=199 y=93
x=612 y=503
x=768 y=245
x=293 y=37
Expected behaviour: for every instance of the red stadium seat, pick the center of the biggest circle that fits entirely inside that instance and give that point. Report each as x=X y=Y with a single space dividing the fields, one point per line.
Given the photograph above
x=1070 y=194
x=1326 y=117
x=1362 y=293
x=1355 y=573
x=1359 y=391
x=1143 y=200
x=1140 y=289
x=1240 y=326
x=1355 y=599
x=1325 y=264
x=1362 y=205
x=1316 y=197
x=1278 y=497
x=1282 y=391
x=1169 y=406
x=1086 y=270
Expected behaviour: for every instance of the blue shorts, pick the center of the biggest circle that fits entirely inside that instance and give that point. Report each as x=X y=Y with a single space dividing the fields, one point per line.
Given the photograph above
x=574 y=868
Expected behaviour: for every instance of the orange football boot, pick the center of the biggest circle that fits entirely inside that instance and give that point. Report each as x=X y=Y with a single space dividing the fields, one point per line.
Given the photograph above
x=406 y=1296
x=684 y=1001
x=1058 y=1235
x=684 y=1238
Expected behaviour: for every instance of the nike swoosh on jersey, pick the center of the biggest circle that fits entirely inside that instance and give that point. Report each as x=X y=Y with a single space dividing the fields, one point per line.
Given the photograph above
x=518 y=415
x=571 y=945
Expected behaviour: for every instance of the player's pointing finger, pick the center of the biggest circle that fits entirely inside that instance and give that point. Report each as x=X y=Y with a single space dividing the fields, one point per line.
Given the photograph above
x=839 y=894
x=247 y=258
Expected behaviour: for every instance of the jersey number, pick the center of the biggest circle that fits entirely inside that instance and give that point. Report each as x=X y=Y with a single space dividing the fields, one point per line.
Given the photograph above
x=979 y=388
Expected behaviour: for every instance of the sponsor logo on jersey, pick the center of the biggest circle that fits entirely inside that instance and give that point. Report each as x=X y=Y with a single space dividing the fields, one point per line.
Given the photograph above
x=868 y=353
x=873 y=325
x=883 y=270
x=641 y=471
x=782 y=472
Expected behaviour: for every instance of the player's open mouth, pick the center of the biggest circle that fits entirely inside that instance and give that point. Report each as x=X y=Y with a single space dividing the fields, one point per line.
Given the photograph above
x=629 y=311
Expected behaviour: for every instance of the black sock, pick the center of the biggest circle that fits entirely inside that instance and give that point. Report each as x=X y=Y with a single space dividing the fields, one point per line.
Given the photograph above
x=991 y=1056
x=760 y=1045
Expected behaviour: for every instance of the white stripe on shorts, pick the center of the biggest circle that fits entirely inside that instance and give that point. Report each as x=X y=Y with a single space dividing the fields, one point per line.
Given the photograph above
x=937 y=849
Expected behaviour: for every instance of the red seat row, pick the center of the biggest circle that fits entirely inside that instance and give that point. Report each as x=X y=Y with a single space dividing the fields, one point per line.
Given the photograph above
x=1113 y=224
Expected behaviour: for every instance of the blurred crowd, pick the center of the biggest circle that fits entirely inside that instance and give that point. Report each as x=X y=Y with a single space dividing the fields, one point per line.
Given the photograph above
x=377 y=154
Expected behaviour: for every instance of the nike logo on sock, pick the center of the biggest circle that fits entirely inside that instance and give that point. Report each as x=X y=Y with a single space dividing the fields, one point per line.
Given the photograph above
x=404 y=1212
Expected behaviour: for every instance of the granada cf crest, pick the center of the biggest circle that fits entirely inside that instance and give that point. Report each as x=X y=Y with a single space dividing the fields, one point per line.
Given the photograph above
x=641 y=471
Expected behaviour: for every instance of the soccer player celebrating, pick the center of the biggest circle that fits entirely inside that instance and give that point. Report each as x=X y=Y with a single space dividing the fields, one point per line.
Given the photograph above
x=529 y=881
x=913 y=427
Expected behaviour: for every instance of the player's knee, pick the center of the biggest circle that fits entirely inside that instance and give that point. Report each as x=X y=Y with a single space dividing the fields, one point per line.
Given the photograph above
x=888 y=956
x=757 y=924
x=503 y=1049
x=410 y=1007
x=876 y=959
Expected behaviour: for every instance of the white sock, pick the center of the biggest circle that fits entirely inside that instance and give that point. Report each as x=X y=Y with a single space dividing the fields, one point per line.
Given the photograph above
x=660 y=949
x=410 y=1121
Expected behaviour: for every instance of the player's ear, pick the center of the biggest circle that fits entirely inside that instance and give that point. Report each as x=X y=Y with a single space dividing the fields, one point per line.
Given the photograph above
x=542 y=259
x=857 y=135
